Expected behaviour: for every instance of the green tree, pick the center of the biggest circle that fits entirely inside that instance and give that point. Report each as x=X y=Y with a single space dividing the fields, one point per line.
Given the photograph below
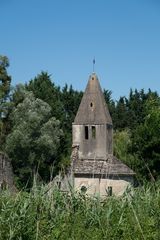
x=18 y=94
x=70 y=99
x=146 y=140
x=34 y=139
x=5 y=81
x=135 y=106
x=122 y=149
x=64 y=104
x=120 y=117
x=44 y=89
x=111 y=104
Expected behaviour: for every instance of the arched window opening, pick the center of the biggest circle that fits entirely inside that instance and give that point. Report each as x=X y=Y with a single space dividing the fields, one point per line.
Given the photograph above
x=83 y=189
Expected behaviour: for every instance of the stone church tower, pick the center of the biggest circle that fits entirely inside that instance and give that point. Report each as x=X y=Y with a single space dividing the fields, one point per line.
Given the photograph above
x=92 y=127
x=94 y=168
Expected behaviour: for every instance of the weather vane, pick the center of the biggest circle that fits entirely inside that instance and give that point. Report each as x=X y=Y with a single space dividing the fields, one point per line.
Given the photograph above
x=94 y=61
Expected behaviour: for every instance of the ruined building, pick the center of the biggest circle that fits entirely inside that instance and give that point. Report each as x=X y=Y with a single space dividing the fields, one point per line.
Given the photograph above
x=6 y=173
x=94 y=168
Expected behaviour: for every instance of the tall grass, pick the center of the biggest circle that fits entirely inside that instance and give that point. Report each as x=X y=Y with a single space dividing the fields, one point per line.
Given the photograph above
x=49 y=215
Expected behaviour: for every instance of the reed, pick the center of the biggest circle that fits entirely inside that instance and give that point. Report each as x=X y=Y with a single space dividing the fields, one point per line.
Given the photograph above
x=48 y=215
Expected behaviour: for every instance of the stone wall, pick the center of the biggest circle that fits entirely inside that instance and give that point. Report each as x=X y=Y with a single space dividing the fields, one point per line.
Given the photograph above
x=6 y=173
x=96 y=146
x=102 y=186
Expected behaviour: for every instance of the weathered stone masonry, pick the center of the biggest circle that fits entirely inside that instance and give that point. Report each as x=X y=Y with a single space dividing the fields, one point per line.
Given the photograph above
x=94 y=167
x=6 y=173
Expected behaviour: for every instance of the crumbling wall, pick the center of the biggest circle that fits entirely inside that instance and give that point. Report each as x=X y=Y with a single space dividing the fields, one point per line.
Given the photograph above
x=75 y=153
x=6 y=173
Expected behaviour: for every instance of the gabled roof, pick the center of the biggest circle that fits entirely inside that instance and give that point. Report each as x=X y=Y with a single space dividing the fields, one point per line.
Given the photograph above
x=108 y=167
x=93 y=108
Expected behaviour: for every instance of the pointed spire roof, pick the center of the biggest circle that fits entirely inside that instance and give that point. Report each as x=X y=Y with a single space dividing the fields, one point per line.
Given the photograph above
x=93 y=108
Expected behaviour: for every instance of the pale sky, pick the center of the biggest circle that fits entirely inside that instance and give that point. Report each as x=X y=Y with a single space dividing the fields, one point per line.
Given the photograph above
x=63 y=36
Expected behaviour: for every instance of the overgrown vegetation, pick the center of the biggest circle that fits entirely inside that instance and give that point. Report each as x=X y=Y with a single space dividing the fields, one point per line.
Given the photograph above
x=36 y=120
x=48 y=215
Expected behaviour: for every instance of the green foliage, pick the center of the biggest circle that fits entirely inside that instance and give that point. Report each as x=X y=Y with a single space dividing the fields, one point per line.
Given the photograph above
x=71 y=100
x=122 y=149
x=34 y=139
x=137 y=141
x=31 y=123
x=44 y=89
x=18 y=94
x=64 y=104
x=130 y=112
x=5 y=81
x=120 y=120
x=47 y=215
x=146 y=140
x=128 y=117
x=110 y=103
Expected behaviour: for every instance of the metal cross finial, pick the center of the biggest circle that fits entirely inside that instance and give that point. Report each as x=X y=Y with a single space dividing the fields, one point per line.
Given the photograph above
x=94 y=61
